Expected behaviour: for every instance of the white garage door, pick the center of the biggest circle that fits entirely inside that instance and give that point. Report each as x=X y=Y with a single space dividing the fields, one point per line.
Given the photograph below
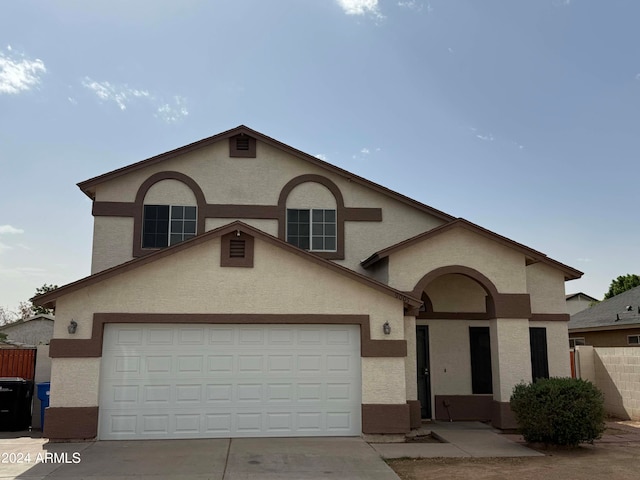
x=205 y=381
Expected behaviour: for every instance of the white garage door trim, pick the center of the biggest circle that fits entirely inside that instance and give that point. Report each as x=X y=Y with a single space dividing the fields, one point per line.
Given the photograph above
x=208 y=381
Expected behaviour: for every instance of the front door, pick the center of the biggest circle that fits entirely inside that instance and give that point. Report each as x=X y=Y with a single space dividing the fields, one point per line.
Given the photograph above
x=424 y=382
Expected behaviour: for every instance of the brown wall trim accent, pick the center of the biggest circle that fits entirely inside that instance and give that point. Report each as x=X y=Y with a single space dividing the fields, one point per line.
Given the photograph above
x=550 y=317
x=138 y=251
x=463 y=407
x=415 y=417
x=226 y=260
x=512 y=305
x=250 y=152
x=453 y=316
x=502 y=417
x=84 y=348
x=356 y=214
x=386 y=418
x=113 y=209
x=71 y=423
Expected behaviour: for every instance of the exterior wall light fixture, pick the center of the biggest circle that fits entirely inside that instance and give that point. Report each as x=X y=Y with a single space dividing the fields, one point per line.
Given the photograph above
x=386 y=328
x=73 y=326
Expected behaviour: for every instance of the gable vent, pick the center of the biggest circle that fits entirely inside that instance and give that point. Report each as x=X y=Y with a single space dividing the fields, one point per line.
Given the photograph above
x=236 y=248
x=242 y=143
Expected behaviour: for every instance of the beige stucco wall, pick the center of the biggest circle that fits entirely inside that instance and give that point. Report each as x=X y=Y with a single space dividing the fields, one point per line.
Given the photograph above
x=192 y=281
x=510 y=356
x=456 y=293
x=545 y=285
x=42 y=374
x=577 y=304
x=410 y=365
x=172 y=192
x=259 y=181
x=112 y=242
x=504 y=266
x=450 y=355
x=74 y=382
x=617 y=374
x=267 y=226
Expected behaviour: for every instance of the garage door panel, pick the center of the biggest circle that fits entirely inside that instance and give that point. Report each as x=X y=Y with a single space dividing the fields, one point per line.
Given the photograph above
x=261 y=381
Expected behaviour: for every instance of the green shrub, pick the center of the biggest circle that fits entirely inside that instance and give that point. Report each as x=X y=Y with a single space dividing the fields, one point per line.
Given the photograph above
x=559 y=411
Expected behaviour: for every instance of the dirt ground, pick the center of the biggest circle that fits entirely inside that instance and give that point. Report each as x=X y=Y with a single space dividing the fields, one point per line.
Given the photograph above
x=614 y=457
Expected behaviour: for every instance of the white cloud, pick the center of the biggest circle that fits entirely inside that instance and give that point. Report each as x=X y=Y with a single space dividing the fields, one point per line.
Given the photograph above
x=173 y=113
x=561 y=3
x=365 y=151
x=360 y=7
x=638 y=76
x=415 y=5
x=72 y=101
x=9 y=229
x=19 y=73
x=123 y=95
x=486 y=138
x=321 y=156
x=4 y=247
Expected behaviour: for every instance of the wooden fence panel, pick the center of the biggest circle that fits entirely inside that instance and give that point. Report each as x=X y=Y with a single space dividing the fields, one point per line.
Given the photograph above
x=18 y=362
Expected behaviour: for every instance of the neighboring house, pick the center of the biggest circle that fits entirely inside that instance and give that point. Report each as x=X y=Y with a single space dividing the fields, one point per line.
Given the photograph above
x=614 y=322
x=34 y=330
x=576 y=302
x=229 y=298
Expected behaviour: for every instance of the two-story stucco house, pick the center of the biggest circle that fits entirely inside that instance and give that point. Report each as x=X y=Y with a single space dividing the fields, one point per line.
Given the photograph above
x=241 y=287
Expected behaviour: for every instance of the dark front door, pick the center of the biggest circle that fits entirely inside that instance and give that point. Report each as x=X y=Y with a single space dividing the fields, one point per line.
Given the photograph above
x=424 y=382
x=539 y=359
x=480 y=349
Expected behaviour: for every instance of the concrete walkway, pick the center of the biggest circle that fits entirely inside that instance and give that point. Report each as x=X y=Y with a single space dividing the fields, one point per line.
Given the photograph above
x=463 y=439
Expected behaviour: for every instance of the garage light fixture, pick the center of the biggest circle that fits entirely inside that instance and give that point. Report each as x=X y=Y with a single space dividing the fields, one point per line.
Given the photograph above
x=73 y=326
x=386 y=328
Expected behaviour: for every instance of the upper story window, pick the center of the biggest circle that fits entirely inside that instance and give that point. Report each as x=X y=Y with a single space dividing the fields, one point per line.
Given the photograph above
x=312 y=229
x=166 y=225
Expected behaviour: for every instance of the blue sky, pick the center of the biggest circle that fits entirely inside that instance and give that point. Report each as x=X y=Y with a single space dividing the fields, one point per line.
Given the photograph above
x=520 y=116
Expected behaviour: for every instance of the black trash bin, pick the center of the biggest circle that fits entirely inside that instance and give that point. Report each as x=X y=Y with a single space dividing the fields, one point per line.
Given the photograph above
x=15 y=403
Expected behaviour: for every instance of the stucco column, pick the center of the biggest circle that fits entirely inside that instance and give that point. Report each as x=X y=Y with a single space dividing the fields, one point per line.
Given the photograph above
x=410 y=372
x=510 y=364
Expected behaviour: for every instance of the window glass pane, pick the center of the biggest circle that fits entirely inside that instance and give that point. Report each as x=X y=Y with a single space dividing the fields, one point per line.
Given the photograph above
x=292 y=215
x=303 y=242
x=318 y=216
x=190 y=213
x=303 y=230
x=330 y=243
x=633 y=339
x=175 y=239
x=330 y=216
x=317 y=243
x=177 y=213
x=162 y=227
x=188 y=236
x=303 y=216
x=176 y=226
x=292 y=228
x=330 y=229
x=189 y=227
x=317 y=229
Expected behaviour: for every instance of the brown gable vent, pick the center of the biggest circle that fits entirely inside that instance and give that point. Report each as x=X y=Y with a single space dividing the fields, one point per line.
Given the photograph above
x=236 y=250
x=242 y=146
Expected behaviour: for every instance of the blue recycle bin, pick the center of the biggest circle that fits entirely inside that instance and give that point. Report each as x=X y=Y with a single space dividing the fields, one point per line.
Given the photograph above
x=43 y=396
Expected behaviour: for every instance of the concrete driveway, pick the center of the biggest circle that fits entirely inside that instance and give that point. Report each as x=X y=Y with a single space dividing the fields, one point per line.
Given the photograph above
x=216 y=459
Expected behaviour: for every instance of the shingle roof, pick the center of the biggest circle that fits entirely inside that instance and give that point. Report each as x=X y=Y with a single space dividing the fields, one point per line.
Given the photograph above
x=588 y=297
x=611 y=313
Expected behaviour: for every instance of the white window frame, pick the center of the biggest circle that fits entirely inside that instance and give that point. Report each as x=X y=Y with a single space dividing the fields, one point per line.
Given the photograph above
x=573 y=344
x=169 y=227
x=637 y=337
x=311 y=224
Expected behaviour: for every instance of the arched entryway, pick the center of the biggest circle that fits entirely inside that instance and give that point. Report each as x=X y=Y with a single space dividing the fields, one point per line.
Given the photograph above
x=453 y=344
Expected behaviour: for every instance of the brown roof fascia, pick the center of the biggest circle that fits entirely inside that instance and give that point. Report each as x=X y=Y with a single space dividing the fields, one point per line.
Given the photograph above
x=532 y=256
x=87 y=185
x=48 y=299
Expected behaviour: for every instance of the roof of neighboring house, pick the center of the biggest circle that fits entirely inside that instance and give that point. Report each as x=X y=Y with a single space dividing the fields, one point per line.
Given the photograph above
x=621 y=311
x=575 y=295
x=88 y=186
x=532 y=256
x=41 y=316
x=48 y=299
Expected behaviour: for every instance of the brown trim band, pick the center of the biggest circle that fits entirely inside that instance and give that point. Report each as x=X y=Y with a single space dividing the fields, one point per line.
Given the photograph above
x=85 y=348
x=71 y=423
x=357 y=214
x=502 y=416
x=453 y=316
x=386 y=418
x=463 y=407
x=113 y=209
x=415 y=414
x=550 y=317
